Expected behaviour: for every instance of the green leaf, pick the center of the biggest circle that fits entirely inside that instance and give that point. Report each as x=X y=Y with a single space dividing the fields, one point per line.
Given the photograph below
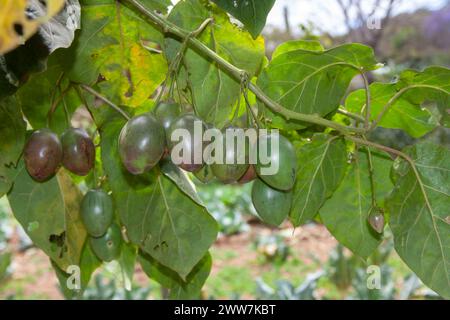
x=88 y=264
x=214 y=91
x=44 y=90
x=180 y=178
x=406 y=99
x=312 y=82
x=419 y=216
x=127 y=261
x=345 y=213
x=252 y=13
x=49 y=214
x=158 y=216
x=12 y=133
x=293 y=45
x=178 y=289
x=158 y=5
x=322 y=166
x=111 y=43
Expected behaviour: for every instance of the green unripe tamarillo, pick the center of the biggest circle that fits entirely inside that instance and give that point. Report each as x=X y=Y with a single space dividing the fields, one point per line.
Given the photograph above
x=78 y=151
x=167 y=112
x=273 y=206
x=284 y=159
x=205 y=174
x=141 y=143
x=97 y=212
x=234 y=163
x=249 y=176
x=43 y=155
x=107 y=247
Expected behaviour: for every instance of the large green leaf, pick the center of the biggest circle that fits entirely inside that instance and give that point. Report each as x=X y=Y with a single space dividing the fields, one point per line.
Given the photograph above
x=159 y=217
x=346 y=213
x=322 y=165
x=12 y=133
x=180 y=178
x=158 y=5
x=419 y=214
x=111 y=43
x=310 y=45
x=178 y=289
x=49 y=214
x=252 y=13
x=214 y=91
x=127 y=262
x=406 y=98
x=312 y=81
x=44 y=91
x=88 y=264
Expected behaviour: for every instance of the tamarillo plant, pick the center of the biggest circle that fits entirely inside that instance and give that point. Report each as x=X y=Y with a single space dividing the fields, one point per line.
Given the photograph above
x=141 y=70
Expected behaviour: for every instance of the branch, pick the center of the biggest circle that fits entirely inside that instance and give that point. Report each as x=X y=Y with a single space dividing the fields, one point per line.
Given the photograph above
x=402 y=155
x=105 y=100
x=347 y=20
x=351 y=115
x=384 y=22
x=237 y=73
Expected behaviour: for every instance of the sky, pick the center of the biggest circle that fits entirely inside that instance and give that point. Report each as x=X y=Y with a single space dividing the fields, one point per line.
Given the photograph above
x=327 y=14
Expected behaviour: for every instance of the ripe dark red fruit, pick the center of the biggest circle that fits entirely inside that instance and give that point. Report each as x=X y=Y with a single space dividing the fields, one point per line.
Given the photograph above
x=141 y=143
x=43 y=154
x=190 y=143
x=97 y=212
x=78 y=151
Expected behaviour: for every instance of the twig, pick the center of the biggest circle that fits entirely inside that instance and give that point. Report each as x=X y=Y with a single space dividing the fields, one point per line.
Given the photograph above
x=105 y=100
x=237 y=73
x=351 y=115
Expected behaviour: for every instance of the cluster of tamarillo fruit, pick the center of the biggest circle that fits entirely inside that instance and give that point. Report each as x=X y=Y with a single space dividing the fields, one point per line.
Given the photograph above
x=45 y=153
x=143 y=143
x=146 y=139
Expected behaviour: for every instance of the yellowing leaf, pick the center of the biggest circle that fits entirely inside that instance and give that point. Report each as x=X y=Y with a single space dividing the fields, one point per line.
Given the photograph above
x=15 y=24
x=136 y=78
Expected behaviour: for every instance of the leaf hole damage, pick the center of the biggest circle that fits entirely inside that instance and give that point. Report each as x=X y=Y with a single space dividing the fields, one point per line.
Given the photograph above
x=59 y=242
x=163 y=245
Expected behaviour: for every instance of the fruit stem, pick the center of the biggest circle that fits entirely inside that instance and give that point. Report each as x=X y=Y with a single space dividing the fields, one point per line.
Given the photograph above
x=407 y=158
x=368 y=109
x=351 y=115
x=56 y=103
x=236 y=73
x=105 y=100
